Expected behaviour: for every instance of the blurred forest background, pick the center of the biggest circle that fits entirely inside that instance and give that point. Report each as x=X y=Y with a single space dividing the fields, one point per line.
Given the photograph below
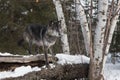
x=15 y=15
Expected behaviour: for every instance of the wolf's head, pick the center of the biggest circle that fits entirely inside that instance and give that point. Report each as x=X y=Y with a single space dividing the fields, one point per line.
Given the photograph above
x=54 y=28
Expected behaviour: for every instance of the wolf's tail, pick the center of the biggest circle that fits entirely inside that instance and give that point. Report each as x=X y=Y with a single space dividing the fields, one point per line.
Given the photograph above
x=20 y=42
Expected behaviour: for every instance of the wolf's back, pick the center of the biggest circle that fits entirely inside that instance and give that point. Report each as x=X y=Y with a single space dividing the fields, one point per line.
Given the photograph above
x=36 y=31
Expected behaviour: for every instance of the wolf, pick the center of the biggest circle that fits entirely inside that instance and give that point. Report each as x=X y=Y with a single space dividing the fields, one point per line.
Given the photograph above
x=42 y=35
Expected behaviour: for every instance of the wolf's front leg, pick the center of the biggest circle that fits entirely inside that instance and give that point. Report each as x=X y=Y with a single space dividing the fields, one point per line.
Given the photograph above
x=45 y=49
x=51 y=52
x=54 y=59
x=37 y=50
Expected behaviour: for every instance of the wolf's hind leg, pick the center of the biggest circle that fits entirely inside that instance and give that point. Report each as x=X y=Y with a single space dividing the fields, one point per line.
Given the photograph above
x=37 y=50
x=51 y=52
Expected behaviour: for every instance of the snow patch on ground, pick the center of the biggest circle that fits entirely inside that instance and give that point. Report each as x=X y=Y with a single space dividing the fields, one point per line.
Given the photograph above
x=112 y=71
x=51 y=66
x=20 y=71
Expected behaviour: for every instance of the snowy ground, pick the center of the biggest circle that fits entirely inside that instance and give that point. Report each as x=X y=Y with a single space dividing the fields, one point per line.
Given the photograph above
x=112 y=72
x=20 y=71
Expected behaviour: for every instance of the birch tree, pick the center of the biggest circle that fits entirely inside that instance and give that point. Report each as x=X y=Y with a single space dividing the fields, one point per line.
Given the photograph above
x=99 y=47
x=84 y=24
x=63 y=32
x=96 y=63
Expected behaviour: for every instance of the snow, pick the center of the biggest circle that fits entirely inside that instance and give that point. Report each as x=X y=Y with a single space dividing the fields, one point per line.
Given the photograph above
x=111 y=72
x=20 y=71
x=51 y=66
x=5 y=54
x=8 y=54
x=71 y=59
x=25 y=12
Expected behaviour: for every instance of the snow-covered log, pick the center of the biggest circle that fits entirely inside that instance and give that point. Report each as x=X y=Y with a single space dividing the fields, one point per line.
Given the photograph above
x=60 y=15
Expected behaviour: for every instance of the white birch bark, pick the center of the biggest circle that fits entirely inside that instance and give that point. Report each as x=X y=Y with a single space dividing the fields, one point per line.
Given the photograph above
x=111 y=32
x=113 y=25
x=100 y=29
x=99 y=40
x=110 y=36
x=60 y=15
x=81 y=16
x=112 y=28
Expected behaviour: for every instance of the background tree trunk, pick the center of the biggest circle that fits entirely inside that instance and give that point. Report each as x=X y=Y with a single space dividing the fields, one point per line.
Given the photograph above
x=96 y=62
x=81 y=16
x=60 y=15
x=112 y=26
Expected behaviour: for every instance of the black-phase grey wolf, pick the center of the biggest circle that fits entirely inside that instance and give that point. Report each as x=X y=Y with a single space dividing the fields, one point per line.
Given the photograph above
x=42 y=35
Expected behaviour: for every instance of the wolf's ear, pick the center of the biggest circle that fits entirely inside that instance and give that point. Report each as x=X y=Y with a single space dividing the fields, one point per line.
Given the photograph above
x=20 y=42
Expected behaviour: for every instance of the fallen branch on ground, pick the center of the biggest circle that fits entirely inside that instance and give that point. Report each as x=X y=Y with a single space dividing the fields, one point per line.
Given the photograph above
x=26 y=59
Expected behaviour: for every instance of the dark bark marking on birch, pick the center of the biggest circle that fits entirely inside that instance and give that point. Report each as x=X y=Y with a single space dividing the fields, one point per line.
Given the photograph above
x=104 y=20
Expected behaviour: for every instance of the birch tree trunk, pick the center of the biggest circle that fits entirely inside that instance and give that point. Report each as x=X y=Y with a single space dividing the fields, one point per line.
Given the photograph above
x=60 y=15
x=111 y=32
x=96 y=62
x=101 y=44
x=84 y=24
x=110 y=36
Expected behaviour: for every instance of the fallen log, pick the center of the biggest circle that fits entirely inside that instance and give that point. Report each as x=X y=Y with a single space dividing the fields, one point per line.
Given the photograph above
x=13 y=61
x=60 y=72
x=26 y=59
x=5 y=66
